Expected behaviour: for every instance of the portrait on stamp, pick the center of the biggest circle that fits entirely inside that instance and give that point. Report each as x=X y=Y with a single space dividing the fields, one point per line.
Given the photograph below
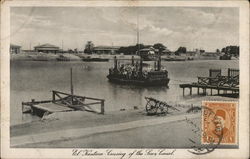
x=219 y=120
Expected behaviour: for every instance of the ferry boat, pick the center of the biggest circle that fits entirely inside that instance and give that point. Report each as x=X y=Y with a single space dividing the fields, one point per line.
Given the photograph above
x=134 y=74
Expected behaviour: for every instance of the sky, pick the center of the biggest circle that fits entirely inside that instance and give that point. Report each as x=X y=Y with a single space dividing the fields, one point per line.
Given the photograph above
x=206 y=28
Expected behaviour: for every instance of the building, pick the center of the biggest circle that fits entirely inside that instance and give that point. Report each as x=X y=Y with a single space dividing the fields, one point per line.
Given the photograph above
x=15 y=49
x=148 y=51
x=106 y=49
x=47 y=48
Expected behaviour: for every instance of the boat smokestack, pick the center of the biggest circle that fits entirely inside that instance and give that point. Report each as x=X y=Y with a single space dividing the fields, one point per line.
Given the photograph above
x=159 y=63
x=140 y=69
x=115 y=63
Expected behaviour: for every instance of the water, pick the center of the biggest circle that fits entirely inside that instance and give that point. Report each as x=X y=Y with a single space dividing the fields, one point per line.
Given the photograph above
x=35 y=80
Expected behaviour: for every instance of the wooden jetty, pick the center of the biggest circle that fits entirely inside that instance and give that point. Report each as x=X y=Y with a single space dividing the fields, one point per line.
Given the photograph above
x=62 y=102
x=216 y=81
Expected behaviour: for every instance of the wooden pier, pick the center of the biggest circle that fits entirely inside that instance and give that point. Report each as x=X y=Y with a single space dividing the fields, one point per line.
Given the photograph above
x=62 y=102
x=229 y=85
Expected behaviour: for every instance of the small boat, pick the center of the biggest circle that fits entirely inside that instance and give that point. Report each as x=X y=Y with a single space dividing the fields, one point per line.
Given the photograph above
x=133 y=74
x=62 y=58
x=174 y=58
x=89 y=59
x=225 y=57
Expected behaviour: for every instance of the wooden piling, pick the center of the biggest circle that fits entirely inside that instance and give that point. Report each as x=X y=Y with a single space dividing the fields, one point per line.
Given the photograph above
x=102 y=106
x=211 y=91
x=183 y=91
x=190 y=90
x=204 y=91
x=198 y=90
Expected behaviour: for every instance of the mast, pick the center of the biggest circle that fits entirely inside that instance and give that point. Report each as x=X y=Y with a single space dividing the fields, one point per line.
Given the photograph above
x=71 y=85
x=138 y=44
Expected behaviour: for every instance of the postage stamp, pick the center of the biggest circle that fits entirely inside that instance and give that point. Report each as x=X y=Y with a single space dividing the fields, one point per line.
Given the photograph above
x=219 y=122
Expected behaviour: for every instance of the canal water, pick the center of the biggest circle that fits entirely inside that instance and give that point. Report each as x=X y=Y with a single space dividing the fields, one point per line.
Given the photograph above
x=35 y=80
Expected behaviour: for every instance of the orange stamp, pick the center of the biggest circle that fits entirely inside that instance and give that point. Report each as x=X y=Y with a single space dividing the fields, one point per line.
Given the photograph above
x=219 y=122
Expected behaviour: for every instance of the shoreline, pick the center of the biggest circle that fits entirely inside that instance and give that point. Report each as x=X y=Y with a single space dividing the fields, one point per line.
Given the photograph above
x=71 y=122
x=79 y=56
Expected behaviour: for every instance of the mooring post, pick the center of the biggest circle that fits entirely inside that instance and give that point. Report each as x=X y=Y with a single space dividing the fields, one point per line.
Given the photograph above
x=53 y=96
x=32 y=108
x=102 y=106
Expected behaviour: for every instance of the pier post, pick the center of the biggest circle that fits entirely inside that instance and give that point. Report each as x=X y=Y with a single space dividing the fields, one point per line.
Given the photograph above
x=102 y=106
x=198 y=90
x=211 y=92
x=218 y=91
x=190 y=90
x=204 y=91
x=183 y=91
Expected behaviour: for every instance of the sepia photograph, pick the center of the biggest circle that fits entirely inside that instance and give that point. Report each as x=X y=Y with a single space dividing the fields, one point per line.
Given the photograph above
x=155 y=78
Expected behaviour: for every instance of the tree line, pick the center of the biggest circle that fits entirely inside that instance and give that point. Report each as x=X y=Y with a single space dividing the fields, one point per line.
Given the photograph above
x=132 y=50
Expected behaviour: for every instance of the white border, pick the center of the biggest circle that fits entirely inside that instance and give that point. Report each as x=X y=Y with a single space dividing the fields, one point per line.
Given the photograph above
x=242 y=152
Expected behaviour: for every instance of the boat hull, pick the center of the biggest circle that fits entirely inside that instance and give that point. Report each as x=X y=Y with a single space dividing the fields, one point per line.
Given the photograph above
x=144 y=82
x=95 y=60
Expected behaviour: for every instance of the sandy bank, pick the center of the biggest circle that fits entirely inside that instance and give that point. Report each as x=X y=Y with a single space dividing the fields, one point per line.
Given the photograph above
x=103 y=129
x=85 y=125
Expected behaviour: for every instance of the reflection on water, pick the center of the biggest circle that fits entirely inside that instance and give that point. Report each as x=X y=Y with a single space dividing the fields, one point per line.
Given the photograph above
x=35 y=80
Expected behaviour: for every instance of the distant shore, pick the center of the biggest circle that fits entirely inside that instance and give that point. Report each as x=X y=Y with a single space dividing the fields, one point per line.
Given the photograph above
x=78 y=57
x=66 y=56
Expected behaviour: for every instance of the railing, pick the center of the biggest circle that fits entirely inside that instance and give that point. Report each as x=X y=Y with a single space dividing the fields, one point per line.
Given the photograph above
x=77 y=102
x=230 y=81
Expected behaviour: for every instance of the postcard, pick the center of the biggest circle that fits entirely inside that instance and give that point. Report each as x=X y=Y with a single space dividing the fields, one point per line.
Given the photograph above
x=125 y=79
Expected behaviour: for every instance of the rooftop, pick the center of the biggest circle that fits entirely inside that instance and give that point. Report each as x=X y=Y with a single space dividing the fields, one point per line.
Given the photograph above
x=47 y=45
x=16 y=46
